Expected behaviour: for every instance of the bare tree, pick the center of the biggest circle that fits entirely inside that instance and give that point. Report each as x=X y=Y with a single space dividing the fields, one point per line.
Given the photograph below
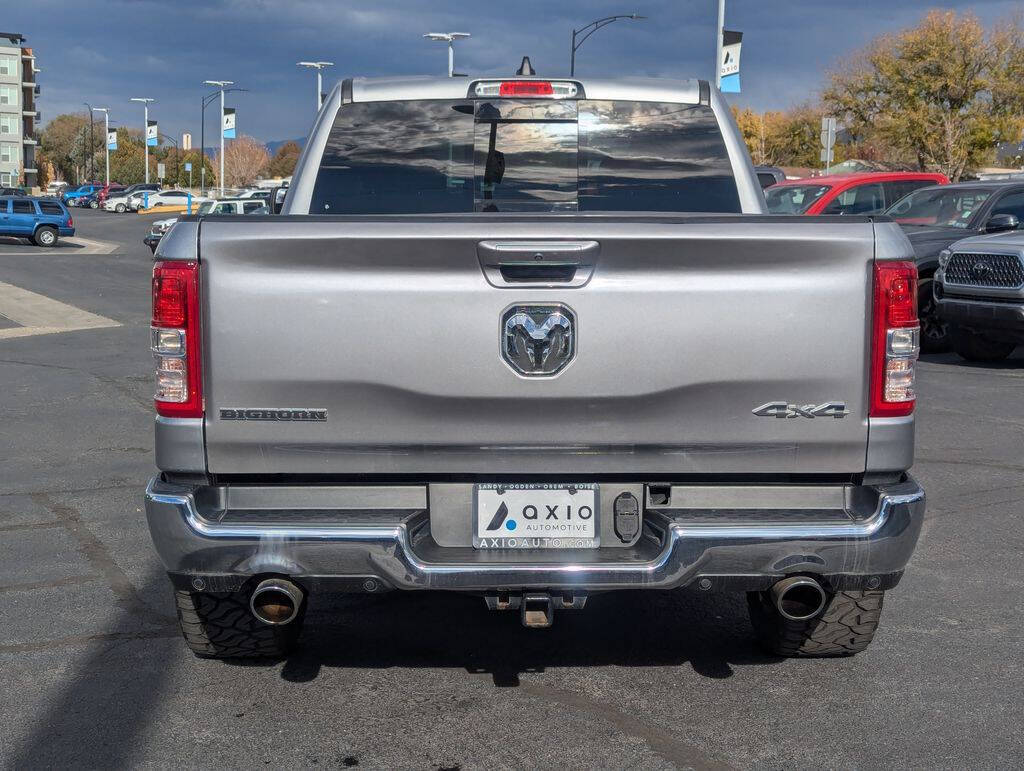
x=245 y=159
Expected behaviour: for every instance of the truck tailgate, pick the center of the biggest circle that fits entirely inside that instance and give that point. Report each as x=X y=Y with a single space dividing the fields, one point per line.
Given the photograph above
x=391 y=328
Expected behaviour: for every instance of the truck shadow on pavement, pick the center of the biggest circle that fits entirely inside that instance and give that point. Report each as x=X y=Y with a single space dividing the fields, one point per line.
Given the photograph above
x=111 y=692
x=710 y=632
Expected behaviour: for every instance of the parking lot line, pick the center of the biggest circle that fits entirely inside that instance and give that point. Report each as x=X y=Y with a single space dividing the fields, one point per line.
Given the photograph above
x=36 y=314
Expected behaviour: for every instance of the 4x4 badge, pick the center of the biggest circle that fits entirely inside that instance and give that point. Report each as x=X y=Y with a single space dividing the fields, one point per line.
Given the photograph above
x=784 y=410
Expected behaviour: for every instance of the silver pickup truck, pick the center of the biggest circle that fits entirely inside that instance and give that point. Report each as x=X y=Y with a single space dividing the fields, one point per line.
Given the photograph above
x=532 y=339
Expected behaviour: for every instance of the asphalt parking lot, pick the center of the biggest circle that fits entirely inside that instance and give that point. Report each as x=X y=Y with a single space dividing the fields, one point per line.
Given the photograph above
x=94 y=672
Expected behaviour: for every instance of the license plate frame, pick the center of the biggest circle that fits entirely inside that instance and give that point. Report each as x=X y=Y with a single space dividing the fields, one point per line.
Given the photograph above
x=517 y=529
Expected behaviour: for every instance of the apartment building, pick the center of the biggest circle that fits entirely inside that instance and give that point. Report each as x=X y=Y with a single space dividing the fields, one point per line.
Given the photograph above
x=18 y=114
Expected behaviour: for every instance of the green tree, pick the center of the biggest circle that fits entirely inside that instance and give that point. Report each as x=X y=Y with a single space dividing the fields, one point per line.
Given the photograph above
x=786 y=138
x=763 y=134
x=126 y=162
x=195 y=158
x=62 y=143
x=284 y=160
x=941 y=94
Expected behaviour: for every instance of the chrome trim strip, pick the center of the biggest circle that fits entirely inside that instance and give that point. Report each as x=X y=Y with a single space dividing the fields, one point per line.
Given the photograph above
x=360 y=533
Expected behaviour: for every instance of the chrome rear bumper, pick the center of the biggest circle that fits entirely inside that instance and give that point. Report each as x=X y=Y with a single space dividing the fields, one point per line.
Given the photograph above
x=215 y=553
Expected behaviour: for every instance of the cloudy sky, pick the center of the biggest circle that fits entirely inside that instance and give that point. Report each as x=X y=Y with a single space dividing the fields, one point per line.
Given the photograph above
x=104 y=52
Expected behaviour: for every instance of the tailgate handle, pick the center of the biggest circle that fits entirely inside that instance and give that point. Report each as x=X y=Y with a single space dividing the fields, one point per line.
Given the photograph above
x=538 y=264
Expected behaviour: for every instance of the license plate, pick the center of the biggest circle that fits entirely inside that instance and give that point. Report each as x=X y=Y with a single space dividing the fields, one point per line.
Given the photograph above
x=536 y=516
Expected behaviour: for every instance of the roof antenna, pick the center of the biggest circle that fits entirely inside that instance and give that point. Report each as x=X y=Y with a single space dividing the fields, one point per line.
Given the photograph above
x=526 y=68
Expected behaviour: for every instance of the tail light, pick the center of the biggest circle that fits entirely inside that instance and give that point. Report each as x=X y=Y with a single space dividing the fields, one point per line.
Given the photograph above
x=174 y=339
x=895 y=340
x=71 y=221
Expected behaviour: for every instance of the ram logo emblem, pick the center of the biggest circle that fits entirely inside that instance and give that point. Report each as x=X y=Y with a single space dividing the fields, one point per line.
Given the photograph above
x=538 y=340
x=785 y=410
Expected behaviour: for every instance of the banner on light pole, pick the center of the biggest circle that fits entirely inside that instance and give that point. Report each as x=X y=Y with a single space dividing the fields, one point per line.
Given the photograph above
x=730 y=64
x=229 y=123
x=112 y=140
x=152 y=134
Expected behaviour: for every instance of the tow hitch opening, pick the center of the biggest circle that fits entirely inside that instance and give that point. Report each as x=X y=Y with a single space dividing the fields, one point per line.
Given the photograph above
x=536 y=609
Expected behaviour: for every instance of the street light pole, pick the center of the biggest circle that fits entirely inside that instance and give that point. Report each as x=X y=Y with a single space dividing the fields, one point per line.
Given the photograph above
x=177 y=159
x=590 y=29
x=202 y=135
x=145 y=130
x=719 y=31
x=221 y=84
x=318 y=66
x=106 y=134
x=449 y=38
x=92 y=141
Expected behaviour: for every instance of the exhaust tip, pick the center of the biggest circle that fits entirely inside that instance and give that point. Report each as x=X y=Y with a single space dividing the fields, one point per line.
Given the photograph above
x=799 y=598
x=276 y=601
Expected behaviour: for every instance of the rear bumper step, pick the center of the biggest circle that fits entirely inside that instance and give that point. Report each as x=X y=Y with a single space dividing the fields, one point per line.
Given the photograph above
x=676 y=549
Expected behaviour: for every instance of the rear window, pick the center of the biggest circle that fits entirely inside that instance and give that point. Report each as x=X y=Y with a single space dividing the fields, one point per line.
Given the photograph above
x=943 y=206
x=793 y=199
x=49 y=207
x=524 y=155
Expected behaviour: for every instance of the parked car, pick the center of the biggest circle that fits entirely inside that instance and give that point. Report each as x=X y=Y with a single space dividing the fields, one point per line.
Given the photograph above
x=88 y=201
x=124 y=194
x=222 y=206
x=119 y=202
x=139 y=186
x=13 y=191
x=150 y=199
x=769 y=175
x=71 y=196
x=255 y=193
x=935 y=217
x=54 y=188
x=233 y=206
x=106 y=191
x=865 y=193
x=41 y=220
x=157 y=230
x=979 y=292
x=664 y=409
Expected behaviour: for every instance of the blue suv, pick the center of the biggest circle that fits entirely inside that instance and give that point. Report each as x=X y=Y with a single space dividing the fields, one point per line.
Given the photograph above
x=41 y=221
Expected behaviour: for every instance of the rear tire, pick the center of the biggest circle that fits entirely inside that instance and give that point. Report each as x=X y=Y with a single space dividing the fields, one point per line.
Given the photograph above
x=846 y=625
x=45 y=236
x=974 y=347
x=219 y=625
x=94 y=205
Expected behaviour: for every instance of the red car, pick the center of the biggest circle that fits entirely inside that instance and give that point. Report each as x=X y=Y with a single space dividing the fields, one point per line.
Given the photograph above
x=106 y=191
x=866 y=193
